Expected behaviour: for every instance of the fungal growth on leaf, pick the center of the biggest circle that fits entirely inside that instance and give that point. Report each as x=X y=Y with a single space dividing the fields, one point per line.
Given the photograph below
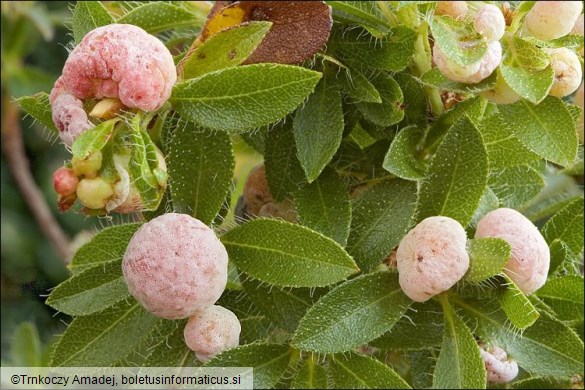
x=212 y=330
x=578 y=100
x=174 y=265
x=530 y=259
x=567 y=68
x=470 y=73
x=454 y=9
x=552 y=19
x=499 y=368
x=490 y=23
x=299 y=28
x=119 y=61
x=432 y=257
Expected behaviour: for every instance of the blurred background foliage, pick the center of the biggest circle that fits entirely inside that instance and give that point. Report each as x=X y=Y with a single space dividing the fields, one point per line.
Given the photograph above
x=35 y=37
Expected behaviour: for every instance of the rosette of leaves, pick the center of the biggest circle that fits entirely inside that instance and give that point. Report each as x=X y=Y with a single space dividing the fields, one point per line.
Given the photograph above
x=358 y=137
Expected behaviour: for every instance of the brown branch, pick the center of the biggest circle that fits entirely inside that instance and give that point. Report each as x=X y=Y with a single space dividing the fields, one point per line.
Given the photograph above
x=13 y=148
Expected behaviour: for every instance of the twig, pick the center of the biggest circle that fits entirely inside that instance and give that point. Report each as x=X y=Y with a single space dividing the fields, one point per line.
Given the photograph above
x=13 y=148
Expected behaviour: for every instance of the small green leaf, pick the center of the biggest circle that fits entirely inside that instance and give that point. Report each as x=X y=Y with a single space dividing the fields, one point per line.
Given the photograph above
x=565 y=296
x=108 y=245
x=358 y=87
x=434 y=78
x=459 y=365
x=156 y=17
x=525 y=69
x=101 y=339
x=567 y=226
x=421 y=327
x=541 y=383
x=90 y=291
x=487 y=257
x=390 y=111
x=200 y=169
x=310 y=376
x=93 y=139
x=457 y=176
x=269 y=362
x=515 y=186
x=503 y=148
x=88 y=15
x=520 y=311
x=352 y=314
x=225 y=49
x=169 y=348
x=381 y=217
x=458 y=40
x=362 y=13
x=401 y=159
x=422 y=366
x=245 y=97
x=547 y=128
x=283 y=169
x=488 y=202
x=353 y=371
x=318 y=127
x=415 y=100
x=393 y=52
x=324 y=206
x=286 y=254
x=547 y=348
x=39 y=108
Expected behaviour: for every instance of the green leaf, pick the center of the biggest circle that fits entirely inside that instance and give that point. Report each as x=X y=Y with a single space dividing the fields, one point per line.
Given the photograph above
x=563 y=260
x=310 y=376
x=458 y=40
x=200 y=169
x=520 y=311
x=567 y=226
x=487 y=257
x=108 y=245
x=541 y=383
x=415 y=100
x=102 y=339
x=170 y=349
x=460 y=365
x=422 y=366
x=287 y=255
x=420 y=328
x=434 y=78
x=525 y=69
x=515 y=186
x=381 y=217
x=225 y=49
x=353 y=371
x=352 y=314
x=547 y=348
x=318 y=127
x=88 y=15
x=324 y=206
x=393 y=52
x=284 y=306
x=269 y=362
x=156 y=17
x=90 y=291
x=488 y=202
x=547 y=128
x=358 y=87
x=25 y=348
x=93 y=139
x=363 y=13
x=457 y=176
x=565 y=296
x=39 y=108
x=283 y=169
x=245 y=97
x=401 y=159
x=503 y=148
x=390 y=111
